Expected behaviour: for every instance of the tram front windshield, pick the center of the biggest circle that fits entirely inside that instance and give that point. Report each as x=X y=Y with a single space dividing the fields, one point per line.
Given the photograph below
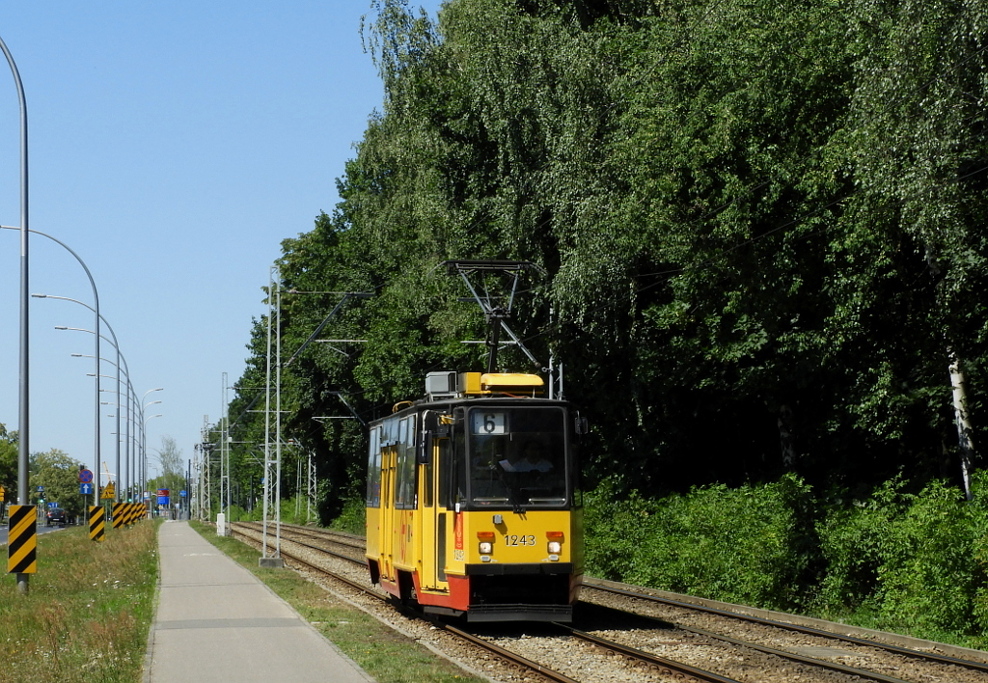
x=517 y=456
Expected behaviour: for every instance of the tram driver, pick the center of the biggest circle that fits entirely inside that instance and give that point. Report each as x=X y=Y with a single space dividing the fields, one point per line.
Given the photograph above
x=527 y=459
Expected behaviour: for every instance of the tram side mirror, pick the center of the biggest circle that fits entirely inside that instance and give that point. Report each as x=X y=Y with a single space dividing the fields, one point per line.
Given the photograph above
x=424 y=453
x=581 y=425
x=432 y=422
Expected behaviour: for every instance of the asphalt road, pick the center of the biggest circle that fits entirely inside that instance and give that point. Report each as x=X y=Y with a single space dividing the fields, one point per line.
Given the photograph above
x=42 y=529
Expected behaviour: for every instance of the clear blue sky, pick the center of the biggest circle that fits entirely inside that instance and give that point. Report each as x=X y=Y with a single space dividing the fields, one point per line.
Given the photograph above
x=173 y=145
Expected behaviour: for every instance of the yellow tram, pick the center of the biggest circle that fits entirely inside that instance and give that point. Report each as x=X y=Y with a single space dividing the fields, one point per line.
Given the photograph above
x=473 y=502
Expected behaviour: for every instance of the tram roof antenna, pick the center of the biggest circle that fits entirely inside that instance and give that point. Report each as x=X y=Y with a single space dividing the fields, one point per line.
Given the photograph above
x=497 y=315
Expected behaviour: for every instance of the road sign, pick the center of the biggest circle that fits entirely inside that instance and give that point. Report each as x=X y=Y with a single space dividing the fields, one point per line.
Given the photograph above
x=86 y=489
x=108 y=492
x=40 y=489
x=86 y=476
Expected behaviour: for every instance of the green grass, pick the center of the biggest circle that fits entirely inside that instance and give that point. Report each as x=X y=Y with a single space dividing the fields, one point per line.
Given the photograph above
x=384 y=653
x=87 y=612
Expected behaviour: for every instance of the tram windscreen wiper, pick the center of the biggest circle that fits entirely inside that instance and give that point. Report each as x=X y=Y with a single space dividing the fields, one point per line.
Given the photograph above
x=511 y=482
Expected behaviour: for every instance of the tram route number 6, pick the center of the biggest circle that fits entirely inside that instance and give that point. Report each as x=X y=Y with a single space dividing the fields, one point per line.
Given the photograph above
x=488 y=422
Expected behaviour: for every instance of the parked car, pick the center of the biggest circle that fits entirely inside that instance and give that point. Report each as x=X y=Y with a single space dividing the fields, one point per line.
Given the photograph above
x=56 y=516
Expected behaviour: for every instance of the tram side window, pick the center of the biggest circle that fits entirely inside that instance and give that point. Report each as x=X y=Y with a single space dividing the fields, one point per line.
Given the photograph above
x=374 y=469
x=445 y=478
x=405 y=479
x=428 y=474
x=577 y=481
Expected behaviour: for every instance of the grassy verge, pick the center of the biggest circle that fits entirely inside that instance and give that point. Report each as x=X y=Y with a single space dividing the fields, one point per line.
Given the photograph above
x=87 y=611
x=385 y=654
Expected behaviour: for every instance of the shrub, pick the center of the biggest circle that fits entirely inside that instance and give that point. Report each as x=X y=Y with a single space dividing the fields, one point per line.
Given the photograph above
x=912 y=562
x=852 y=538
x=928 y=577
x=615 y=530
x=751 y=544
x=899 y=560
x=353 y=517
x=235 y=513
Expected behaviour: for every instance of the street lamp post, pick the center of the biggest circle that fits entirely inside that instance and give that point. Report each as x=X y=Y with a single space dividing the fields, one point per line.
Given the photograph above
x=24 y=230
x=123 y=475
x=24 y=428
x=144 y=451
x=120 y=358
x=144 y=412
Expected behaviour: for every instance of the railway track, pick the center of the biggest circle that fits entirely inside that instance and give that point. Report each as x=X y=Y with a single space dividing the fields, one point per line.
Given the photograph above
x=873 y=659
x=498 y=653
x=640 y=636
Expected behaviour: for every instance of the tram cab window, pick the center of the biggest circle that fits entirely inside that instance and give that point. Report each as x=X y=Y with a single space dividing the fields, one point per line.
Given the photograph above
x=374 y=469
x=452 y=473
x=517 y=456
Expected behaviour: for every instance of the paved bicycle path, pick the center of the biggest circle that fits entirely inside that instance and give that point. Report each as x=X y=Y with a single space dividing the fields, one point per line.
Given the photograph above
x=216 y=622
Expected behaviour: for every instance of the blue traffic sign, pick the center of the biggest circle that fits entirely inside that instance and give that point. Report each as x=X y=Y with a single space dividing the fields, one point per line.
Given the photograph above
x=86 y=489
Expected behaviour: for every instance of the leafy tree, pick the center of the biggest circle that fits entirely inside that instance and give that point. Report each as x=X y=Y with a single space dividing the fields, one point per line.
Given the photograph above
x=8 y=467
x=8 y=458
x=59 y=474
x=918 y=132
x=169 y=458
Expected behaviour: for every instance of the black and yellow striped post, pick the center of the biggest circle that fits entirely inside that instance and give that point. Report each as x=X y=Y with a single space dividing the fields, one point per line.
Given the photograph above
x=97 y=522
x=131 y=513
x=22 y=541
x=119 y=515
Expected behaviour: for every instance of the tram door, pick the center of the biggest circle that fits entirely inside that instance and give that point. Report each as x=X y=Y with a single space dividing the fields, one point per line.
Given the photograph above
x=386 y=526
x=431 y=554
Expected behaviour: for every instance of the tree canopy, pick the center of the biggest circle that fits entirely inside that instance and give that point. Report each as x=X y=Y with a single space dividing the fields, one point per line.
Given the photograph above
x=761 y=228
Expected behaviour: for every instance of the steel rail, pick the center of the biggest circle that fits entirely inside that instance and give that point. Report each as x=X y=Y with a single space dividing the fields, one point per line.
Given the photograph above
x=672 y=665
x=812 y=661
x=806 y=630
x=551 y=674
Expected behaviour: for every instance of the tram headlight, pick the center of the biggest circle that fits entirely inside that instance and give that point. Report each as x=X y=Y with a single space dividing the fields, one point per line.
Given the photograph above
x=555 y=542
x=486 y=545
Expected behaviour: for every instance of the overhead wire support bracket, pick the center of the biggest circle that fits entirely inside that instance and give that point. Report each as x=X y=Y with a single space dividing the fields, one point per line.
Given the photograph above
x=320 y=326
x=353 y=413
x=496 y=314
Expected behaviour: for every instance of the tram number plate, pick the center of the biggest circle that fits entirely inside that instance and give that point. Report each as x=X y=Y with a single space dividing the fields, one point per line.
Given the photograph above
x=511 y=539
